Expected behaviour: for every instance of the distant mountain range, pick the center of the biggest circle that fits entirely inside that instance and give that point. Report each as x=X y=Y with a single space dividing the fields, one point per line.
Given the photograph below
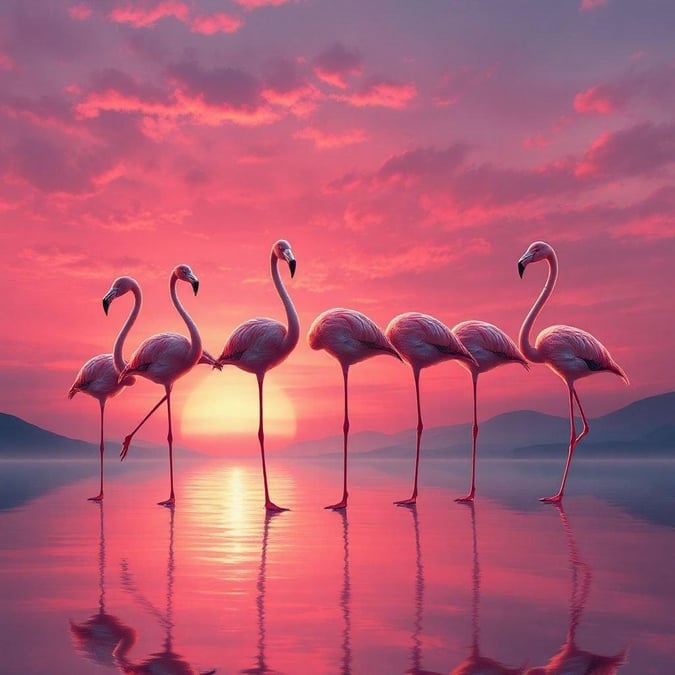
x=643 y=428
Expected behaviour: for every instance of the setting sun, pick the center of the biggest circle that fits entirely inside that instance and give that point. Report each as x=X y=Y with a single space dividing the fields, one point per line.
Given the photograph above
x=226 y=404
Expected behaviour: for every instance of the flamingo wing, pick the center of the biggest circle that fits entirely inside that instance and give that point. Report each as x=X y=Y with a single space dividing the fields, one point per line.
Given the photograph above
x=256 y=345
x=489 y=345
x=160 y=358
x=97 y=377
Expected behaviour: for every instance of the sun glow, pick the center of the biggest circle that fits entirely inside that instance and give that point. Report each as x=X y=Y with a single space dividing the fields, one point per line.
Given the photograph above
x=226 y=403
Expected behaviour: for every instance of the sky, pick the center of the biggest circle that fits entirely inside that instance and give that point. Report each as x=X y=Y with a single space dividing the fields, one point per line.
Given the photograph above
x=410 y=152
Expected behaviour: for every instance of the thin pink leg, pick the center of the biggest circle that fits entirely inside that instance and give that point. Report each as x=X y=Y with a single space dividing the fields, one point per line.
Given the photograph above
x=99 y=496
x=557 y=498
x=472 y=491
x=269 y=504
x=172 y=497
x=127 y=439
x=342 y=504
x=584 y=431
x=420 y=427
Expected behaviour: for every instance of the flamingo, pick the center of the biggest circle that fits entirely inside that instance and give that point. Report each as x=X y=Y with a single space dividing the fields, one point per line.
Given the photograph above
x=99 y=377
x=257 y=345
x=423 y=341
x=163 y=358
x=490 y=347
x=350 y=337
x=570 y=352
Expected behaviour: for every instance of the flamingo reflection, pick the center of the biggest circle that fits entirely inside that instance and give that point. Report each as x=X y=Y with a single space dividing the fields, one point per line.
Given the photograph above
x=475 y=663
x=102 y=634
x=416 y=650
x=570 y=660
x=165 y=662
x=261 y=665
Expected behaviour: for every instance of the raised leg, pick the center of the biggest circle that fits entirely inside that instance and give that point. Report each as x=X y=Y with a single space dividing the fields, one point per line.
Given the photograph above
x=342 y=504
x=99 y=496
x=472 y=491
x=269 y=504
x=171 y=501
x=420 y=427
x=127 y=439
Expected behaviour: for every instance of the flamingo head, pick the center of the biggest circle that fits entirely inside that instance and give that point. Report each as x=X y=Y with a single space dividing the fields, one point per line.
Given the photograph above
x=120 y=286
x=282 y=250
x=536 y=251
x=184 y=273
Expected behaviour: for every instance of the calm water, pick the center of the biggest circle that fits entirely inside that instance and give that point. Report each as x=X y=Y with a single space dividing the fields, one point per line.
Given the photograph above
x=214 y=584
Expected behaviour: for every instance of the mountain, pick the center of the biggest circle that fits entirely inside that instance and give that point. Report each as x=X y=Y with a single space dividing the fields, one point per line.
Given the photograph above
x=646 y=426
x=20 y=439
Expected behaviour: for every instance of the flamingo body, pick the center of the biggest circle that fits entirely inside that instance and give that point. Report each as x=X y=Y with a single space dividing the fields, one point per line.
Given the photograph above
x=423 y=341
x=350 y=337
x=259 y=344
x=570 y=352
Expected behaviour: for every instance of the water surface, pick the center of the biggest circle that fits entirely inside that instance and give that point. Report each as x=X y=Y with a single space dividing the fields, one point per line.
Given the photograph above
x=215 y=584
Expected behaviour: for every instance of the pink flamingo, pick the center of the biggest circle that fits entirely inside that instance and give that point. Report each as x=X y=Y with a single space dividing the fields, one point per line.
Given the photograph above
x=257 y=345
x=490 y=347
x=570 y=352
x=423 y=341
x=99 y=377
x=350 y=337
x=165 y=357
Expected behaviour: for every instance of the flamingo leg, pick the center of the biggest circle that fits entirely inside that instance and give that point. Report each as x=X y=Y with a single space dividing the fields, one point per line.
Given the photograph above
x=584 y=431
x=342 y=504
x=469 y=497
x=99 y=496
x=557 y=498
x=127 y=439
x=269 y=504
x=172 y=497
x=420 y=426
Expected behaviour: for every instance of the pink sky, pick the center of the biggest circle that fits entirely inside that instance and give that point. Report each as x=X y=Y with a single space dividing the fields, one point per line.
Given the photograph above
x=409 y=152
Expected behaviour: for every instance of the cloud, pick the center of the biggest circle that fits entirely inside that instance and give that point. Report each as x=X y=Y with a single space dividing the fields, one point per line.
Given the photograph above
x=323 y=140
x=80 y=11
x=589 y=5
x=457 y=83
x=141 y=16
x=380 y=92
x=257 y=4
x=6 y=62
x=210 y=24
x=423 y=162
x=336 y=64
x=285 y=87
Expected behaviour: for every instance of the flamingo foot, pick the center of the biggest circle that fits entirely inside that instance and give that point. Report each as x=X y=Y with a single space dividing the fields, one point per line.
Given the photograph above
x=271 y=507
x=407 y=502
x=125 y=447
x=557 y=499
x=170 y=502
x=465 y=500
x=340 y=505
x=97 y=498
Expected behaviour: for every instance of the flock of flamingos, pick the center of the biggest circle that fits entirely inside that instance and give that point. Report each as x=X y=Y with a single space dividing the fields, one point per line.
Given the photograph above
x=259 y=344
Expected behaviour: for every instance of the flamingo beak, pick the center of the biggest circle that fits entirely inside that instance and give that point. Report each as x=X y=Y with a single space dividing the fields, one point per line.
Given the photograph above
x=291 y=265
x=524 y=261
x=108 y=298
x=521 y=269
x=195 y=285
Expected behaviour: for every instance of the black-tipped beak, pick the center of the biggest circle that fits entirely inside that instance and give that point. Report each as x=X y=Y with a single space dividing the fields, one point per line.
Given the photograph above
x=195 y=285
x=521 y=269
x=106 y=304
x=292 y=265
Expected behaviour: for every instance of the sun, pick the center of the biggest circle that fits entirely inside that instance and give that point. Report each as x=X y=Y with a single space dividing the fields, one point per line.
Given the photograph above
x=226 y=404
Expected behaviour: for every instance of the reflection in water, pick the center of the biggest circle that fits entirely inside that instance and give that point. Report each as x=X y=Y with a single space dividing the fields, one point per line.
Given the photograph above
x=571 y=660
x=475 y=664
x=416 y=650
x=165 y=662
x=345 y=599
x=102 y=634
x=261 y=665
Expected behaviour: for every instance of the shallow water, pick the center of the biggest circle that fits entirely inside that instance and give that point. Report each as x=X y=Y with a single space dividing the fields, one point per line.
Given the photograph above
x=129 y=586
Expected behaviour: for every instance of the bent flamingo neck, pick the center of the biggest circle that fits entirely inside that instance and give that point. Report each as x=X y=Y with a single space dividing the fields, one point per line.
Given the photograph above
x=118 y=357
x=195 y=339
x=293 y=332
x=529 y=351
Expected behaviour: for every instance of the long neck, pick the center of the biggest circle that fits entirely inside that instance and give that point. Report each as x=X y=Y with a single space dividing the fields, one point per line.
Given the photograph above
x=529 y=351
x=118 y=357
x=195 y=339
x=293 y=332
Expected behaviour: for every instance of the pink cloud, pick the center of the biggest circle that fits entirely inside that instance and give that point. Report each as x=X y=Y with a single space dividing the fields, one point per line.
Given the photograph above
x=323 y=140
x=589 y=5
x=80 y=11
x=216 y=23
x=146 y=15
x=457 y=83
x=6 y=62
x=594 y=100
x=382 y=93
x=256 y=4
x=336 y=64
x=428 y=162
x=285 y=87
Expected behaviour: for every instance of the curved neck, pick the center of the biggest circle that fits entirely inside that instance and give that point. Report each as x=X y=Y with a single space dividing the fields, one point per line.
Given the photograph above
x=529 y=351
x=118 y=357
x=195 y=339
x=293 y=332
